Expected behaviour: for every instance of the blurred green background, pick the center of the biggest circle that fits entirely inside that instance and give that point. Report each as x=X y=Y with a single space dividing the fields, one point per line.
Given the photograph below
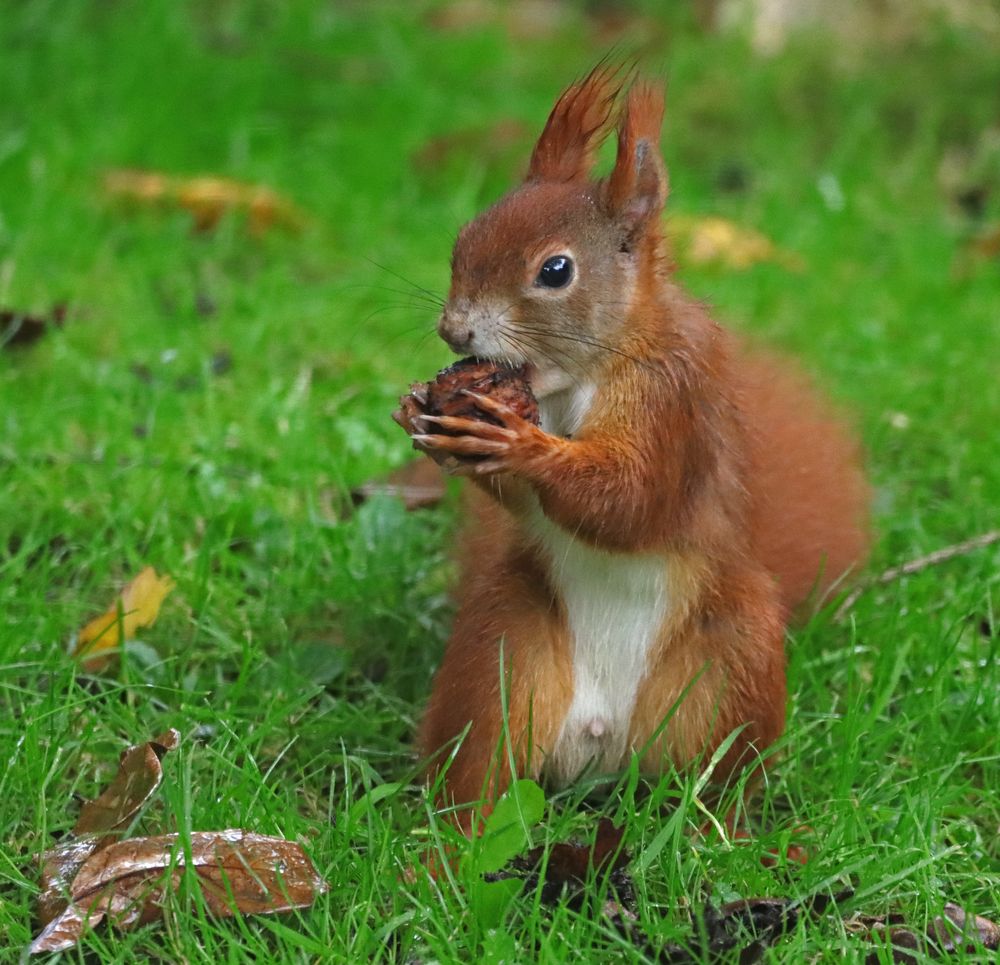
x=213 y=395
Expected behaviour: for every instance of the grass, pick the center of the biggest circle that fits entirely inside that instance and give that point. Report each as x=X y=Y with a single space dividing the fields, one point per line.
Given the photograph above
x=300 y=642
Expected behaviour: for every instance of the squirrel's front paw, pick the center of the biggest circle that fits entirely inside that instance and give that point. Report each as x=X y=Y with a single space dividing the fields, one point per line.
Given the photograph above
x=409 y=417
x=506 y=442
x=411 y=407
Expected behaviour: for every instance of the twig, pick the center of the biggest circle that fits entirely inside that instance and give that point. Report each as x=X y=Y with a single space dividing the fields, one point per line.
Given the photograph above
x=915 y=566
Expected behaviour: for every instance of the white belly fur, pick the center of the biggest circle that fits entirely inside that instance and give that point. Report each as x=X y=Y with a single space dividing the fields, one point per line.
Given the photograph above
x=615 y=606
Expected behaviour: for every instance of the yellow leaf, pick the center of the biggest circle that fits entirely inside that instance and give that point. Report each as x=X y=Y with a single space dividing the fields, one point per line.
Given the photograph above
x=206 y=198
x=715 y=240
x=140 y=604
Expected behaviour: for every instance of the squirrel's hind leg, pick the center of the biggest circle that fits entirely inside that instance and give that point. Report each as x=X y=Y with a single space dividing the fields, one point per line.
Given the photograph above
x=722 y=670
x=509 y=711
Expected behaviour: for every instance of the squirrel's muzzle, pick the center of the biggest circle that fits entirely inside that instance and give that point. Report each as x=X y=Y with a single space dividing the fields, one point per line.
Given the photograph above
x=455 y=329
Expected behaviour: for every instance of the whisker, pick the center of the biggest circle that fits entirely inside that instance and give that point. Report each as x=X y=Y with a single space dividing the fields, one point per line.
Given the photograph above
x=396 y=308
x=562 y=360
x=593 y=342
x=438 y=300
x=408 y=293
x=430 y=333
x=527 y=346
x=384 y=338
x=533 y=345
x=415 y=295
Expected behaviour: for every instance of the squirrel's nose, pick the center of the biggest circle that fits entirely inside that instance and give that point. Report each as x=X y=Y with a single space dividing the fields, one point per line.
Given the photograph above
x=456 y=332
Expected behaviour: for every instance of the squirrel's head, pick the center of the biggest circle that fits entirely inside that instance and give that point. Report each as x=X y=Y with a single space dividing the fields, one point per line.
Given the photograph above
x=547 y=275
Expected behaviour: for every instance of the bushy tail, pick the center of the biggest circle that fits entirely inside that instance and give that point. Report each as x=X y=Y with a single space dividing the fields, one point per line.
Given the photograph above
x=810 y=498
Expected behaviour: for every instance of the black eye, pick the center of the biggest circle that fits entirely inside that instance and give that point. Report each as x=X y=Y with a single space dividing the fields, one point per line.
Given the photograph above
x=557 y=272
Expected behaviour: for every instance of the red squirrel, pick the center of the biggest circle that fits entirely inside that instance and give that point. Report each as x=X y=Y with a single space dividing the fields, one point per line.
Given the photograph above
x=636 y=556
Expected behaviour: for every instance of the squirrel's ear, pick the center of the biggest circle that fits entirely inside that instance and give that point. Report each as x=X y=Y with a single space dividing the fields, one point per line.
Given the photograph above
x=575 y=128
x=637 y=187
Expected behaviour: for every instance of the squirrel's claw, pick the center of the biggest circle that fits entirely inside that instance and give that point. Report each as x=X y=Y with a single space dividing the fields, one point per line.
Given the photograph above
x=468 y=427
x=462 y=445
x=409 y=412
x=499 y=410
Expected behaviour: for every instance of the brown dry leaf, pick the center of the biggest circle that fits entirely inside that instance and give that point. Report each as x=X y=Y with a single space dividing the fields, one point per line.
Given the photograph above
x=570 y=867
x=463 y=15
x=489 y=145
x=954 y=931
x=614 y=22
x=206 y=198
x=986 y=244
x=59 y=867
x=713 y=240
x=538 y=19
x=237 y=871
x=575 y=862
x=748 y=927
x=140 y=604
x=139 y=775
x=420 y=484
x=21 y=328
x=521 y=19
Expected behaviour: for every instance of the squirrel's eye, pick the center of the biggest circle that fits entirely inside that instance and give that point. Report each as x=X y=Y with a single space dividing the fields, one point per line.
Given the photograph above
x=557 y=272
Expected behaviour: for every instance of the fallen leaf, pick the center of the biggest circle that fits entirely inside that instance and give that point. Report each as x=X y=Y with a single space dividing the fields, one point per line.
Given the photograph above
x=139 y=775
x=987 y=243
x=713 y=240
x=903 y=945
x=499 y=142
x=21 y=328
x=614 y=23
x=571 y=866
x=521 y=19
x=748 y=926
x=238 y=872
x=952 y=932
x=138 y=606
x=538 y=19
x=463 y=15
x=420 y=484
x=861 y=924
x=955 y=932
x=59 y=867
x=207 y=198
x=565 y=869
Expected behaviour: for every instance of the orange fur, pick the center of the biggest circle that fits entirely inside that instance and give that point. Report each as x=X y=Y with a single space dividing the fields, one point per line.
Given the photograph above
x=809 y=520
x=638 y=133
x=670 y=454
x=575 y=128
x=523 y=624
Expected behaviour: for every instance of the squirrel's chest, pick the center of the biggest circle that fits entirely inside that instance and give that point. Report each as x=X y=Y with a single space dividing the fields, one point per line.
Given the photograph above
x=615 y=606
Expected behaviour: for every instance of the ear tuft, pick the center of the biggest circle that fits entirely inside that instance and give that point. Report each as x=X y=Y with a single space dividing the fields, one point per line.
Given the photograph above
x=576 y=127
x=637 y=187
